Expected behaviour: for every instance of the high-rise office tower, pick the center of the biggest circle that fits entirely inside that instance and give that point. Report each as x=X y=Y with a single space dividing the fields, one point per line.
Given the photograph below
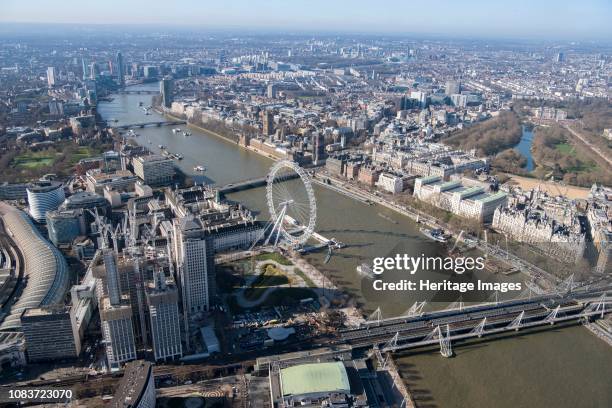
x=135 y=71
x=452 y=87
x=222 y=58
x=162 y=300
x=319 y=147
x=459 y=100
x=560 y=57
x=165 y=88
x=133 y=283
x=272 y=90
x=118 y=333
x=268 y=123
x=51 y=76
x=56 y=108
x=194 y=258
x=84 y=68
x=116 y=317
x=112 y=276
x=195 y=266
x=94 y=71
x=120 y=70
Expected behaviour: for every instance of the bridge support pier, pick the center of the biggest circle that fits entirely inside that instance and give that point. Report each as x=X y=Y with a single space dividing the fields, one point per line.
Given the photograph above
x=391 y=344
x=516 y=323
x=600 y=306
x=553 y=315
x=375 y=316
x=479 y=329
x=445 y=343
x=415 y=309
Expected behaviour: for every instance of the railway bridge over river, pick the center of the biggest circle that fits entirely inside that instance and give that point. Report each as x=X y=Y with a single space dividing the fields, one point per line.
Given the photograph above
x=441 y=328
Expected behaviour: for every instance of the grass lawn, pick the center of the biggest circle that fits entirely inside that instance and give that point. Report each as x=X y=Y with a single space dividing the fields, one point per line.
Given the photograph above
x=302 y=275
x=33 y=160
x=274 y=257
x=586 y=165
x=83 y=152
x=271 y=276
x=566 y=149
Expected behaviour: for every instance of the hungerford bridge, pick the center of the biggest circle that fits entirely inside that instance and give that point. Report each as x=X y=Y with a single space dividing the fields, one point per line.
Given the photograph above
x=417 y=329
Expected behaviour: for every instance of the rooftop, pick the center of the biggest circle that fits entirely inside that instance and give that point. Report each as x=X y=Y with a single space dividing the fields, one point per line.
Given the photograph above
x=450 y=185
x=491 y=197
x=83 y=197
x=471 y=191
x=45 y=311
x=46 y=269
x=44 y=186
x=430 y=179
x=314 y=378
x=100 y=176
x=153 y=158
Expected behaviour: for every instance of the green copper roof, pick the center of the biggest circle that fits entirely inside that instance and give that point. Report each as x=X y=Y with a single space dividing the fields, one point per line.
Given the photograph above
x=493 y=197
x=430 y=179
x=314 y=378
x=468 y=192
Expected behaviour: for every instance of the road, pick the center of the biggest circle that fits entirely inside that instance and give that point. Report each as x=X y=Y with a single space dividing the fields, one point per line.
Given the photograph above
x=591 y=146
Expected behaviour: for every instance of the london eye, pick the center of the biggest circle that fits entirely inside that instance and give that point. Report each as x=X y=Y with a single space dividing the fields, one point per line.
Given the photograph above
x=291 y=203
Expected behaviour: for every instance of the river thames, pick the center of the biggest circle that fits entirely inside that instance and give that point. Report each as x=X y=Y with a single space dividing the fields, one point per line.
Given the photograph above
x=369 y=231
x=542 y=368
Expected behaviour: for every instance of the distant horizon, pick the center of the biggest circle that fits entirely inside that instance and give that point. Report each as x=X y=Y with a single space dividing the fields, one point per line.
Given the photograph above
x=151 y=28
x=520 y=20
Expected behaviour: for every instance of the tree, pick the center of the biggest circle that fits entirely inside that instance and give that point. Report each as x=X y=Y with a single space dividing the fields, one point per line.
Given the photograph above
x=489 y=137
x=510 y=161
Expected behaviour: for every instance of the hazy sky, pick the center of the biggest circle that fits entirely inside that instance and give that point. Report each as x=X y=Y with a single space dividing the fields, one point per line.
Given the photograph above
x=584 y=19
